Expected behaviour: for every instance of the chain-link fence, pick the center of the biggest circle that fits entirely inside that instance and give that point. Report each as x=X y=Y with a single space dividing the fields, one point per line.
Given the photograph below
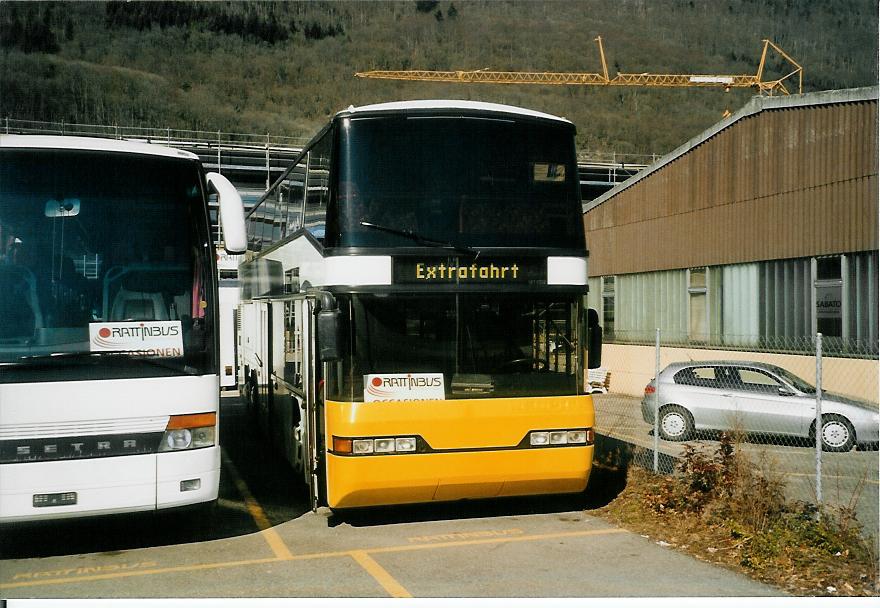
x=771 y=395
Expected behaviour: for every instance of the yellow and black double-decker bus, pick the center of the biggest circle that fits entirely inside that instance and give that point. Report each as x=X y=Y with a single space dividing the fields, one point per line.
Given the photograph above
x=412 y=324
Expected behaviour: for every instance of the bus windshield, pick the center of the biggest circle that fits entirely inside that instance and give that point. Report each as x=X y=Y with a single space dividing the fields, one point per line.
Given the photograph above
x=471 y=182
x=484 y=345
x=86 y=259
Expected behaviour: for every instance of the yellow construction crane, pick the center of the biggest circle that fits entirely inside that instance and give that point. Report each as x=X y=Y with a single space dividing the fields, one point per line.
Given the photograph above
x=768 y=87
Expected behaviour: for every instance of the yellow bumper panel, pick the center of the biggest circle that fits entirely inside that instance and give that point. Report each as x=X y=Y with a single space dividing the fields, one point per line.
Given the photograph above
x=361 y=481
x=473 y=426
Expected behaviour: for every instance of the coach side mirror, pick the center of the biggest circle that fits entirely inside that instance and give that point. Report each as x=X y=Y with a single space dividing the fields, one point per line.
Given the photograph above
x=231 y=213
x=594 y=339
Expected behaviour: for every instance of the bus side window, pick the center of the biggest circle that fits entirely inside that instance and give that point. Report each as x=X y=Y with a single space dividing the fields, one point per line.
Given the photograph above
x=292 y=345
x=318 y=187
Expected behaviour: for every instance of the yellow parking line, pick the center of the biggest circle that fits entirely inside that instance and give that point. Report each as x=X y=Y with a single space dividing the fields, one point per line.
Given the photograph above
x=115 y=575
x=381 y=575
x=307 y=556
x=492 y=541
x=266 y=530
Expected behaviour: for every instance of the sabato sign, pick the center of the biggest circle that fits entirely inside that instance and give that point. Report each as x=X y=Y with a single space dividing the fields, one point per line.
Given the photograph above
x=151 y=338
x=403 y=387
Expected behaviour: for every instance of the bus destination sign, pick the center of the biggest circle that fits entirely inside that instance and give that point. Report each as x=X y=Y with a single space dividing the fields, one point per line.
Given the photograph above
x=414 y=270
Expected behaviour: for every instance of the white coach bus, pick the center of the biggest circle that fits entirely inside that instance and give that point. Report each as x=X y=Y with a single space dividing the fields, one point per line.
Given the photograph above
x=109 y=353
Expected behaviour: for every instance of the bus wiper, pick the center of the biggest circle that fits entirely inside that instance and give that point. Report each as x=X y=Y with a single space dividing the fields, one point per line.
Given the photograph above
x=121 y=354
x=423 y=240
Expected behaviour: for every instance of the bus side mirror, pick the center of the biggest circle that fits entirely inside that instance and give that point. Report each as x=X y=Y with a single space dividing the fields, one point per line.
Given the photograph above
x=231 y=213
x=329 y=337
x=594 y=339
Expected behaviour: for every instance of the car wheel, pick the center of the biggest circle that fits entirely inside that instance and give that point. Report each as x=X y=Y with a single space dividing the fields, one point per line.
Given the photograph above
x=838 y=434
x=676 y=423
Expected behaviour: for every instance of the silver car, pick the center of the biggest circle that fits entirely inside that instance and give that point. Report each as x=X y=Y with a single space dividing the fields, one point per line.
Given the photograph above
x=754 y=398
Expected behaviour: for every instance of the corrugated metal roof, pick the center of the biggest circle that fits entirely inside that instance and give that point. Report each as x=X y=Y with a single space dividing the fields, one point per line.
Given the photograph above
x=756 y=105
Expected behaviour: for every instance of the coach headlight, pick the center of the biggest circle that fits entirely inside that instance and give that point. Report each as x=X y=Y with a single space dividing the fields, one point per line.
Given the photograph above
x=189 y=431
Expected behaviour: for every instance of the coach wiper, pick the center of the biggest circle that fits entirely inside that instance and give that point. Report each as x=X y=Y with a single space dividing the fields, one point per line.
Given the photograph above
x=423 y=240
x=109 y=354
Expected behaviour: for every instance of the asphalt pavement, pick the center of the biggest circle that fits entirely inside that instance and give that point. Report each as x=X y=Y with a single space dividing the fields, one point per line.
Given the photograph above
x=263 y=541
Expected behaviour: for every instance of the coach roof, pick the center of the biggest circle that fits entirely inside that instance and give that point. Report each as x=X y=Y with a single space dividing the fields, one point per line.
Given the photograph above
x=67 y=142
x=449 y=104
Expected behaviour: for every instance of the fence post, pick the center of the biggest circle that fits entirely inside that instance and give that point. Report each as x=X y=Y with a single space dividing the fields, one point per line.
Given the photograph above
x=268 y=167
x=218 y=152
x=818 y=419
x=657 y=401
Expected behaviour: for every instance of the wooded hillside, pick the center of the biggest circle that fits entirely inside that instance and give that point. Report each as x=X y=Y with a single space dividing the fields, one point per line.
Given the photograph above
x=284 y=68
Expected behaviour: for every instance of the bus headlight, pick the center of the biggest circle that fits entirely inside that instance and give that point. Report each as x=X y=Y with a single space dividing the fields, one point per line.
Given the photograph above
x=384 y=445
x=178 y=439
x=405 y=444
x=539 y=439
x=188 y=432
x=364 y=446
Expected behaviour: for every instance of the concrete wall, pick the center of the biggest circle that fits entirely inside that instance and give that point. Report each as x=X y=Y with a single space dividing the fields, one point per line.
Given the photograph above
x=632 y=367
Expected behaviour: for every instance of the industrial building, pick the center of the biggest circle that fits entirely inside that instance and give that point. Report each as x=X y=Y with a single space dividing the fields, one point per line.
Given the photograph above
x=748 y=239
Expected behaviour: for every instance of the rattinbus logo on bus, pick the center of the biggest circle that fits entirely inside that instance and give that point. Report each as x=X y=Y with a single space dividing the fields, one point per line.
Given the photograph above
x=393 y=387
x=139 y=331
x=154 y=338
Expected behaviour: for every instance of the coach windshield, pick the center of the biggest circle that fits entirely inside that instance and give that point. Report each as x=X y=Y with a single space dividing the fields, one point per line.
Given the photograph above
x=471 y=346
x=103 y=277
x=475 y=182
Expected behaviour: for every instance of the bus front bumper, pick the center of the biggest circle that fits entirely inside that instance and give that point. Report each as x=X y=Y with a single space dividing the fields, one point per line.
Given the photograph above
x=361 y=481
x=103 y=486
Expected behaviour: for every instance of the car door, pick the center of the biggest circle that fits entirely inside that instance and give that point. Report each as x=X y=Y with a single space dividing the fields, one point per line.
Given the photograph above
x=700 y=390
x=765 y=404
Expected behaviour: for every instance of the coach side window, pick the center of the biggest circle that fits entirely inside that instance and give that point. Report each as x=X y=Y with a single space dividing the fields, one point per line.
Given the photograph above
x=318 y=187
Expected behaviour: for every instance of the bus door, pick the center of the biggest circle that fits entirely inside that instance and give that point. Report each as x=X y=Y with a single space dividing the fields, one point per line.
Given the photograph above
x=263 y=361
x=294 y=424
x=311 y=420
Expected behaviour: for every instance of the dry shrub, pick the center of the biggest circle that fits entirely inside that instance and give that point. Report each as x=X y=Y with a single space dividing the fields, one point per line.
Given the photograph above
x=772 y=537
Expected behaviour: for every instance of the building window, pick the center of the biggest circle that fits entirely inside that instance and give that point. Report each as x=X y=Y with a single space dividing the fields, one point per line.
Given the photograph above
x=860 y=300
x=784 y=303
x=608 y=307
x=829 y=297
x=698 y=305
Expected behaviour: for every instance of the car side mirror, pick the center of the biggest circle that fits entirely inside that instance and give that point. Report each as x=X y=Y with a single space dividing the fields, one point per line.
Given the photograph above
x=784 y=391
